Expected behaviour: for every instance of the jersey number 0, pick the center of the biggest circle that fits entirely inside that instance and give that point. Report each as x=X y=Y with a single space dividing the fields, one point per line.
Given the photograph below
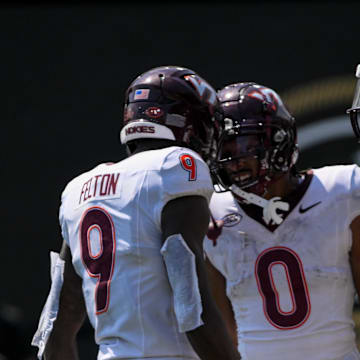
x=297 y=285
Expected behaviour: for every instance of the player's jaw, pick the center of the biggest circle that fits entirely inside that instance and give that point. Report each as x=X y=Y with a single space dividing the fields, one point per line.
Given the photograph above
x=242 y=172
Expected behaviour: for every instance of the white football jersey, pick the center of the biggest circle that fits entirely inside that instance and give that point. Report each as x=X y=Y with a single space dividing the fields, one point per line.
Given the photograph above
x=110 y=218
x=291 y=285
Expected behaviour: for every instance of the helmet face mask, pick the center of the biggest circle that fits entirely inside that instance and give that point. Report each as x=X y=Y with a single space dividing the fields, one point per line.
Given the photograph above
x=176 y=104
x=355 y=108
x=264 y=131
x=355 y=121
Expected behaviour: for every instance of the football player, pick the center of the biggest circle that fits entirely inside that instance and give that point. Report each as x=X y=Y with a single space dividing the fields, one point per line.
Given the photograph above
x=132 y=257
x=284 y=249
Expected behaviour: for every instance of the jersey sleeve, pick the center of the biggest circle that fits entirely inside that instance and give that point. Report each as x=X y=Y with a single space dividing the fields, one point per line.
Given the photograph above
x=183 y=173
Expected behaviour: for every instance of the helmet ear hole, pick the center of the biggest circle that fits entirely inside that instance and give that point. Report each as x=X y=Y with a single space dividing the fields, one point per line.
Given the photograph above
x=279 y=136
x=285 y=152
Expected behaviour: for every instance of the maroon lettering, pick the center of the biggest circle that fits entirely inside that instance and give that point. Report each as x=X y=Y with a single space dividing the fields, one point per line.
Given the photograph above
x=140 y=129
x=95 y=186
x=84 y=195
x=107 y=186
x=87 y=191
x=113 y=183
x=104 y=184
x=82 y=192
x=149 y=129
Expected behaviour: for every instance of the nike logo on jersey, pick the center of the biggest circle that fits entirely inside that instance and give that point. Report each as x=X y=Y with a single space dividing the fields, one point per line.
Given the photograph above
x=304 y=210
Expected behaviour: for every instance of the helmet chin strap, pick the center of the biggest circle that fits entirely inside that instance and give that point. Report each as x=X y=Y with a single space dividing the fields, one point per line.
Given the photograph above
x=270 y=207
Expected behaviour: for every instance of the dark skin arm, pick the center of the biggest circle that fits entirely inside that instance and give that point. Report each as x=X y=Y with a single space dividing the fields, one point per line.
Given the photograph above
x=218 y=290
x=62 y=341
x=355 y=253
x=189 y=216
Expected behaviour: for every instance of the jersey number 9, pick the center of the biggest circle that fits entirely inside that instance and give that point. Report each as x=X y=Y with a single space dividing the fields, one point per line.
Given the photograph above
x=101 y=264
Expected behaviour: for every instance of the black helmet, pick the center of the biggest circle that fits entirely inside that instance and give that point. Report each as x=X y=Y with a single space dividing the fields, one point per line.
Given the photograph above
x=252 y=109
x=173 y=103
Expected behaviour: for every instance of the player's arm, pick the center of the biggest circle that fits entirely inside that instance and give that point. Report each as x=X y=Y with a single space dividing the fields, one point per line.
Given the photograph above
x=71 y=314
x=355 y=252
x=218 y=290
x=189 y=217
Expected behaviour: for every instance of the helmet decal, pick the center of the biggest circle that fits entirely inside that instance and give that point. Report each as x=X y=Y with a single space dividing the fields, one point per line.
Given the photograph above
x=154 y=112
x=267 y=95
x=141 y=94
x=200 y=86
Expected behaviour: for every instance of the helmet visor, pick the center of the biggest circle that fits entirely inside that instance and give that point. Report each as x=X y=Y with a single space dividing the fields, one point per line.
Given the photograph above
x=239 y=147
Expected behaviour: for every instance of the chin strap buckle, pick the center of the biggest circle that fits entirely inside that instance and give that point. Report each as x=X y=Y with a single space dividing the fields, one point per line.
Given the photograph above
x=270 y=207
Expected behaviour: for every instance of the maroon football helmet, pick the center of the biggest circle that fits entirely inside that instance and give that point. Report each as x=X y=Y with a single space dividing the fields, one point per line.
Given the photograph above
x=257 y=126
x=173 y=103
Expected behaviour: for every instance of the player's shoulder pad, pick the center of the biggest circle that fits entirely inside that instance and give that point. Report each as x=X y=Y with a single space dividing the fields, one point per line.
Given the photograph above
x=340 y=179
x=171 y=155
x=186 y=162
x=183 y=172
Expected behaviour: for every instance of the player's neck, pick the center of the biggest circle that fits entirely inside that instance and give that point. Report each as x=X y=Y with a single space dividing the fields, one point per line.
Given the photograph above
x=148 y=144
x=285 y=185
